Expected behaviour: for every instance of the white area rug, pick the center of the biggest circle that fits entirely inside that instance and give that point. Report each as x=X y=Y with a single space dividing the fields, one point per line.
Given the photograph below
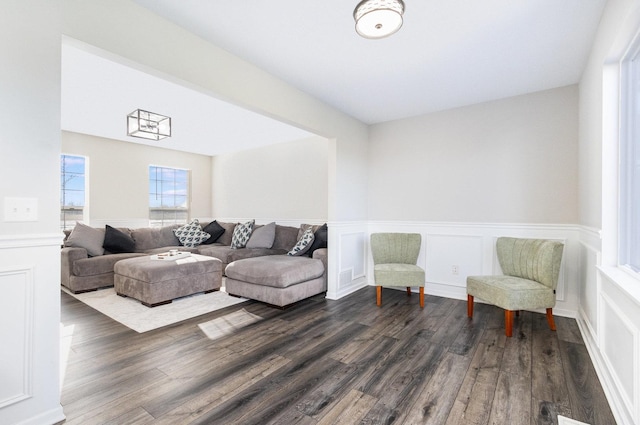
x=228 y=324
x=136 y=316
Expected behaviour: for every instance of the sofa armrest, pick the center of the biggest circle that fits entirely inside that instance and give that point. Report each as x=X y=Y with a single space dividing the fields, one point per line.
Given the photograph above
x=68 y=255
x=322 y=254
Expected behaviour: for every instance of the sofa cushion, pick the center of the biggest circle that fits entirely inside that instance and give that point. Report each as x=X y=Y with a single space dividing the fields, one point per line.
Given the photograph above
x=154 y=237
x=220 y=252
x=279 y=271
x=241 y=254
x=99 y=265
x=226 y=237
x=191 y=235
x=215 y=230
x=87 y=237
x=286 y=237
x=262 y=236
x=304 y=242
x=117 y=242
x=241 y=234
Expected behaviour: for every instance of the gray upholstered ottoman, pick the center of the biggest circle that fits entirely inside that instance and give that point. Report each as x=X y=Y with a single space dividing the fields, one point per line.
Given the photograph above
x=276 y=279
x=155 y=282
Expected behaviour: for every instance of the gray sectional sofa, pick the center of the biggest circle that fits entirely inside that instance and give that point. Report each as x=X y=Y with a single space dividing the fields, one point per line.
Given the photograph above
x=86 y=265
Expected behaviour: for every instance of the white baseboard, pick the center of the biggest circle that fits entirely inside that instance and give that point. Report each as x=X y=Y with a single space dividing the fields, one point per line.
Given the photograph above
x=618 y=408
x=350 y=289
x=52 y=416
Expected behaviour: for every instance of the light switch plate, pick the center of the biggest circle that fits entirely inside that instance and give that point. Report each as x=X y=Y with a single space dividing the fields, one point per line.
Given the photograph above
x=20 y=209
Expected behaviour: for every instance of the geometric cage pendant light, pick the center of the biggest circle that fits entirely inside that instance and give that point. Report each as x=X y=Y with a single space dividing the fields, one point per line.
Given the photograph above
x=378 y=18
x=148 y=125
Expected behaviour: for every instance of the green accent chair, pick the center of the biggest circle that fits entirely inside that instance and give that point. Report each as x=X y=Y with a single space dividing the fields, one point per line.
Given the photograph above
x=394 y=257
x=531 y=268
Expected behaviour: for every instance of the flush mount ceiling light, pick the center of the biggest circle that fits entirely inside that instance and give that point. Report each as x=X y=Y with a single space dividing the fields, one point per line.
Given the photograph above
x=148 y=125
x=378 y=18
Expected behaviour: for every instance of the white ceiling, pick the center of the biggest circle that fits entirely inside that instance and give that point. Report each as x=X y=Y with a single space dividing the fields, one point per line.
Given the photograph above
x=447 y=54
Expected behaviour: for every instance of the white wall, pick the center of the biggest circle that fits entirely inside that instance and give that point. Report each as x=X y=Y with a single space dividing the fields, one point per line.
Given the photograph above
x=508 y=161
x=30 y=251
x=609 y=297
x=285 y=181
x=119 y=178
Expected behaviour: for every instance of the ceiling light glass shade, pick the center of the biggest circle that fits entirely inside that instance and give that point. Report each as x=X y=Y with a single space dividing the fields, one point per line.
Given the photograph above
x=378 y=18
x=148 y=125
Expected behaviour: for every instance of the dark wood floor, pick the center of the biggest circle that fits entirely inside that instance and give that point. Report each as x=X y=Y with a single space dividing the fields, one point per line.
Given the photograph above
x=330 y=362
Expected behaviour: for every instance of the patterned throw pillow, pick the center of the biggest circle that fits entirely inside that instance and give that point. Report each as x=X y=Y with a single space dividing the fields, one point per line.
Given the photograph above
x=191 y=235
x=241 y=234
x=304 y=242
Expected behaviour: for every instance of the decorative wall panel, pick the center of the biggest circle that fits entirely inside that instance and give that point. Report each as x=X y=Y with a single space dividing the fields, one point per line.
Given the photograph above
x=451 y=258
x=619 y=348
x=16 y=286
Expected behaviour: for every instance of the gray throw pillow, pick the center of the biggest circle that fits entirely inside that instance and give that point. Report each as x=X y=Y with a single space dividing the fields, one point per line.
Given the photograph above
x=241 y=234
x=263 y=237
x=87 y=237
x=304 y=242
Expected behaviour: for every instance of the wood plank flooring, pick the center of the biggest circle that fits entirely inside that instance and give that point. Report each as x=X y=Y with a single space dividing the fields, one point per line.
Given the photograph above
x=332 y=362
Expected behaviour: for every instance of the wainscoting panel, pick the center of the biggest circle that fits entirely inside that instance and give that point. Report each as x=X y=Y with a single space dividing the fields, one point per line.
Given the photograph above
x=619 y=348
x=451 y=258
x=348 y=246
x=30 y=331
x=589 y=260
x=16 y=286
x=609 y=321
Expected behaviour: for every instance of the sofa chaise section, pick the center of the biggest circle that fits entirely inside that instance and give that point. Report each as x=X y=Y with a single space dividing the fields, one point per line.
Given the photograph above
x=279 y=280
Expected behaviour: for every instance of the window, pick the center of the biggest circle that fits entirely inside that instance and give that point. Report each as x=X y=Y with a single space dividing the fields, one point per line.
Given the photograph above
x=72 y=190
x=629 y=213
x=168 y=196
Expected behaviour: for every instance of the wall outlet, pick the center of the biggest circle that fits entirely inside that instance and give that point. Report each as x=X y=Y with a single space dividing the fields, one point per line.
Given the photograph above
x=455 y=270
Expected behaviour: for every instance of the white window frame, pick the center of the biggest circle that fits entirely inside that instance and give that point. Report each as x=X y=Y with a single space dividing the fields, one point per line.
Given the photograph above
x=629 y=163
x=614 y=106
x=155 y=222
x=64 y=225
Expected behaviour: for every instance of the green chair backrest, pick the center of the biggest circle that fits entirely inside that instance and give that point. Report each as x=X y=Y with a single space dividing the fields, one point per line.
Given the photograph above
x=395 y=248
x=533 y=259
